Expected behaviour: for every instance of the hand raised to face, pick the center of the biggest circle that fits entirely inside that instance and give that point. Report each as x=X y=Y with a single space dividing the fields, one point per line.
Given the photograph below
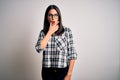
x=53 y=26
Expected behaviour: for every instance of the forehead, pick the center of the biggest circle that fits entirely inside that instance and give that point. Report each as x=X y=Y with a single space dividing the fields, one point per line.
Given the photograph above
x=52 y=11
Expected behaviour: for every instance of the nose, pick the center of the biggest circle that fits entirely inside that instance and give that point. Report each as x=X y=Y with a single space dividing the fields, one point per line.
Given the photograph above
x=52 y=17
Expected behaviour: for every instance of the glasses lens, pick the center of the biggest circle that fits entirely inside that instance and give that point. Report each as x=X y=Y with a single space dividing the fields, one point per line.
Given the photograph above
x=53 y=15
x=56 y=15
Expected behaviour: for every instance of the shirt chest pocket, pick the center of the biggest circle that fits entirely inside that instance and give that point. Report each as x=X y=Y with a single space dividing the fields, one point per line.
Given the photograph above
x=61 y=43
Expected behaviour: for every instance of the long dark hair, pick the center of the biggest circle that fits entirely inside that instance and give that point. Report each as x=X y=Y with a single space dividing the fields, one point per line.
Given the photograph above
x=47 y=24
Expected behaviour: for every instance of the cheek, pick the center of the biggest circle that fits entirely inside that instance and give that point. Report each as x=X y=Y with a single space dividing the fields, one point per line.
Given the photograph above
x=49 y=19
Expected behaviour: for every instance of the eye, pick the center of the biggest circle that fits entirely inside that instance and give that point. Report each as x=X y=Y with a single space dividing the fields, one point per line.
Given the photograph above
x=50 y=15
x=55 y=14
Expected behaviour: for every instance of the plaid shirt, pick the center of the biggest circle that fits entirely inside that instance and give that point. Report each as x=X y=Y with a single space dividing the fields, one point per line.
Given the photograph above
x=59 y=49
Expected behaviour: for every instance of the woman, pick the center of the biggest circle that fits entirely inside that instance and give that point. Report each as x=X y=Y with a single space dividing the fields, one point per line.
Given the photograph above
x=56 y=43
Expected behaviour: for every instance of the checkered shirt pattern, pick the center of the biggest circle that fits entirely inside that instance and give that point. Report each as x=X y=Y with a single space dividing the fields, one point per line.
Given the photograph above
x=59 y=49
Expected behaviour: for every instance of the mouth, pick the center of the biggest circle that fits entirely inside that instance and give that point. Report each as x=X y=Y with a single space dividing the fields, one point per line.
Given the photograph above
x=52 y=22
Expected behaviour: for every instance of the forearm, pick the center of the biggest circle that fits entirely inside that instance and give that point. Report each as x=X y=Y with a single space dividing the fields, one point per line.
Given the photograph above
x=45 y=40
x=71 y=65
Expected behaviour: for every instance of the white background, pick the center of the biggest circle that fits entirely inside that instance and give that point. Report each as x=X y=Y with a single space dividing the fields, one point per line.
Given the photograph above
x=96 y=29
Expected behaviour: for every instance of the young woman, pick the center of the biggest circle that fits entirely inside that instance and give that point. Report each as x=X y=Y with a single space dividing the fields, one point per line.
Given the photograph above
x=56 y=43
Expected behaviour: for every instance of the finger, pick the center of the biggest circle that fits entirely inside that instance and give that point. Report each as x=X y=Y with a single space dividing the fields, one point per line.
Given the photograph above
x=57 y=22
x=57 y=27
x=52 y=23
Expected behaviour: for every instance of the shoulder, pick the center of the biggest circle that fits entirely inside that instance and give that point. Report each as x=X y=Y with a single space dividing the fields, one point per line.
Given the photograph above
x=41 y=33
x=67 y=32
x=67 y=29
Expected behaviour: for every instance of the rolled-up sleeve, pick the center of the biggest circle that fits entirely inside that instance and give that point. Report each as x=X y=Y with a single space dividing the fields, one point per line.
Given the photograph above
x=37 y=45
x=72 y=54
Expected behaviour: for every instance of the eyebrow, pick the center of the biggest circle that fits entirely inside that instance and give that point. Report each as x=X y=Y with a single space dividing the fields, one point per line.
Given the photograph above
x=51 y=13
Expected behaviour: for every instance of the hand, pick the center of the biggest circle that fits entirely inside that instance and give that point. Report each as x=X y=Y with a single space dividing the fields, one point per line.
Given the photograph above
x=53 y=27
x=67 y=77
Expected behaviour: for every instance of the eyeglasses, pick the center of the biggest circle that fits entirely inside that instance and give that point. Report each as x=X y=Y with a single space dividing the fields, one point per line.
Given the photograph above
x=53 y=15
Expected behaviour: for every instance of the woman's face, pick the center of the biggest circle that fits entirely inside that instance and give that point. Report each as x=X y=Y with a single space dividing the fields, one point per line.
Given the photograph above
x=52 y=16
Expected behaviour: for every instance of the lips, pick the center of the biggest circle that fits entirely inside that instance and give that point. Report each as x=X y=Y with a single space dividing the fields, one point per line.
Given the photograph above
x=52 y=21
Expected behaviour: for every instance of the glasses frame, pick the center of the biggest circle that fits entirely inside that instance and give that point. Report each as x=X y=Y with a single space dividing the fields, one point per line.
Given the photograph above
x=53 y=15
